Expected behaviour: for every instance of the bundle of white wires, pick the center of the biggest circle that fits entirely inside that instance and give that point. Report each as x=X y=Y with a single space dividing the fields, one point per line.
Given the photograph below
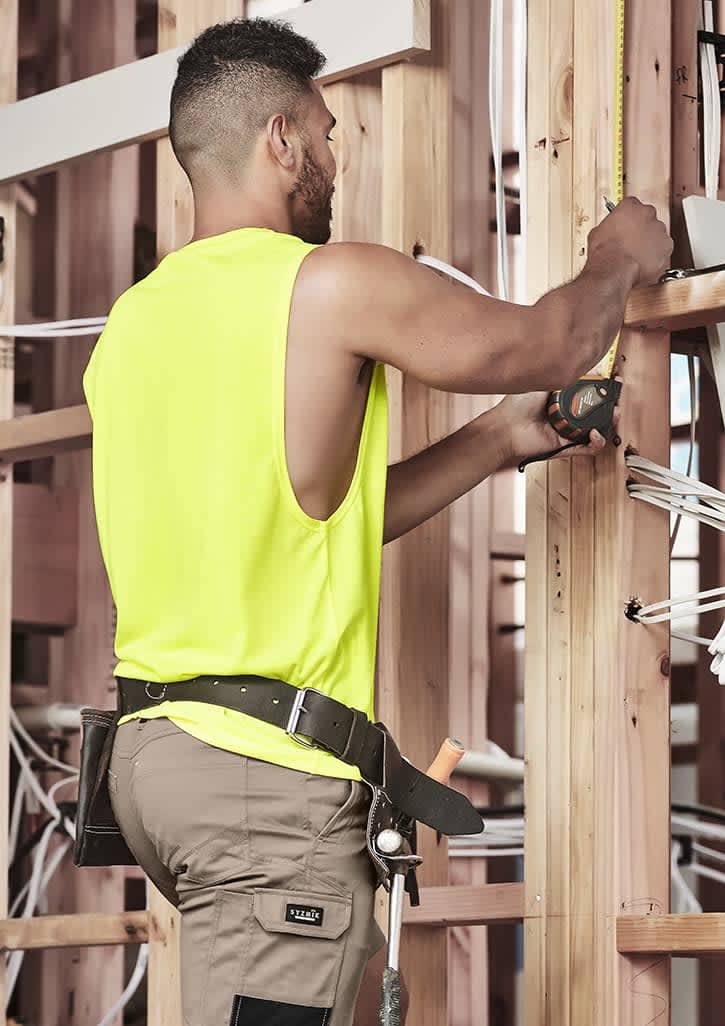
x=683 y=496
x=30 y=899
x=54 y=329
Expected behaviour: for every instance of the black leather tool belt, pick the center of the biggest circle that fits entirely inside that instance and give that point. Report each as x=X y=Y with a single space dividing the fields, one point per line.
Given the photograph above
x=315 y=720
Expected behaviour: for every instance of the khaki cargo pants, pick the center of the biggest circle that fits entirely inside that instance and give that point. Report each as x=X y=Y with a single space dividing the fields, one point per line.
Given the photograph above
x=268 y=867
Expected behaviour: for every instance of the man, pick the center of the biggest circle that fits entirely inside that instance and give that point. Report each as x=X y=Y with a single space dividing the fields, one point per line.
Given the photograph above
x=243 y=495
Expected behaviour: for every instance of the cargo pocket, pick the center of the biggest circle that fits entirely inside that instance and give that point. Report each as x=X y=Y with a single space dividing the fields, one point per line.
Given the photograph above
x=296 y=948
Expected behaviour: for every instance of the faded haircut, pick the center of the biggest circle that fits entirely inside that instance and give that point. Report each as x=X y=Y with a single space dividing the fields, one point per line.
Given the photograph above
x=231 y=80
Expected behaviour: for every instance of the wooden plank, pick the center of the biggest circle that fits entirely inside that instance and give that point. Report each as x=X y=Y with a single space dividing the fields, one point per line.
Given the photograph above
x=685 y=139
x=84 y=117
x=695 y=934
x=357 y=145
x=673 y=305
x=45 y=434
x=467 y=905
x=470 y=517
x=8 y=87
x=45 y=555
x=73 y=931
x=413 y=663
x=98 y=200
x=597 y=729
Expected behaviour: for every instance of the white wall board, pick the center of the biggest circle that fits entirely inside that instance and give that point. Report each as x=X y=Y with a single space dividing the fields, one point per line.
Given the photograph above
x=131 y=103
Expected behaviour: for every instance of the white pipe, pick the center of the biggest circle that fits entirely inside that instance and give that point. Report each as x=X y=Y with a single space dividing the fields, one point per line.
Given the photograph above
x=485 y=766
x=56 y=716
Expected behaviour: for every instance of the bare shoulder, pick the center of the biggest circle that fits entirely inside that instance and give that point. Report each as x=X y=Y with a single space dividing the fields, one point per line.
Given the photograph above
x=339 y=268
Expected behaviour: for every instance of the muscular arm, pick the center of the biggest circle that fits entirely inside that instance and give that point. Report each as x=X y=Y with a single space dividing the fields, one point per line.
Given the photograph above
x=423 y=485
x=384 y=306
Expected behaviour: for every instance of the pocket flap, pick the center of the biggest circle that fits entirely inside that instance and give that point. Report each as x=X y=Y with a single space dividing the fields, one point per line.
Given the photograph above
x=302 y=913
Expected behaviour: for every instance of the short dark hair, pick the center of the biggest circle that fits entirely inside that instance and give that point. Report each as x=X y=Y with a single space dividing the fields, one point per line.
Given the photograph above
x=231 y=80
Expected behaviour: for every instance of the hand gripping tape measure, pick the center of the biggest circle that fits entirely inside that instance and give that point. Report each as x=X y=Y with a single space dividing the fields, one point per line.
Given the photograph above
x=589 y=403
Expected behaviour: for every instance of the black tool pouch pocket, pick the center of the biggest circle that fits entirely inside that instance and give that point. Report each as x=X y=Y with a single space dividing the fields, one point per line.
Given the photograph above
x=99 y=841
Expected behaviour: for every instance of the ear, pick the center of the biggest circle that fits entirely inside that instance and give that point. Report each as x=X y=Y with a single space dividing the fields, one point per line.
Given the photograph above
x=282 y=142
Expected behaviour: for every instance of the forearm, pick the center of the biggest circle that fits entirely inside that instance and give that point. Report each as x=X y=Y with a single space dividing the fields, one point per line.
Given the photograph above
x=586 y=314
x=423 y=485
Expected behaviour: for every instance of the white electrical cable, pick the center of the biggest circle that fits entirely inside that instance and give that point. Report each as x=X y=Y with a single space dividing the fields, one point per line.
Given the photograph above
x=682 y=824
x=54 y=329
x=451 y=272
x=711 y=874
x=16 y=958
x=521 y=20
x=682 y=889
x=45 y=800
x=135 y=980
x=710 y=853
x=495 y=116
x=131 y=987
x=691 y=450
x=35 y=748
x=711 y=112
x=651 y=614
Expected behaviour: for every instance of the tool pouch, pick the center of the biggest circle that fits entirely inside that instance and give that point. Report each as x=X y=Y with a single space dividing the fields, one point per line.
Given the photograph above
x=98 y=841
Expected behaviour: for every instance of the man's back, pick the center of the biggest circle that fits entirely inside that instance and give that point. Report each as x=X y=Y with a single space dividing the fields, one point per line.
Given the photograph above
x=196 y=512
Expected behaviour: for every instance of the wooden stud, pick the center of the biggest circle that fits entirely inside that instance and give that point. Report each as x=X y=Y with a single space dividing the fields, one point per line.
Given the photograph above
x=413 y=664
x=470 y=518
x=97 y=208
x=597 y=723
x=8 y=86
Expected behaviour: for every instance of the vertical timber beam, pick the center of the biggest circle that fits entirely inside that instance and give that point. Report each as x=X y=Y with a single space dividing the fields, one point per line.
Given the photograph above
x=597 y=690
x=8 y=87
x=413 y=665
x=179 y=21
x=470 y=516
x=95 y=253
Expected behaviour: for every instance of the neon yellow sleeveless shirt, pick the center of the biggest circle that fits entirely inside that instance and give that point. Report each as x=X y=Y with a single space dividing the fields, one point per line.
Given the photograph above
x=213 y=565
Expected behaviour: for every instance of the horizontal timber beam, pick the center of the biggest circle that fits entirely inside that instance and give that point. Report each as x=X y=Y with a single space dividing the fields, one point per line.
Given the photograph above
x=700 y=933
x=45 y=434
x=467 y=905
x=130 y=104
x=673 y=305
x=87 y=930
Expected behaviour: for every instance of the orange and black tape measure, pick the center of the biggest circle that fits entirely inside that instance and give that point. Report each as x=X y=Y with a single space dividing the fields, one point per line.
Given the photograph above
x=576 y=411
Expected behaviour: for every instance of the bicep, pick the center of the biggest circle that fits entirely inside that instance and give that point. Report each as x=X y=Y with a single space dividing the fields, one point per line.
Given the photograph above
x=393 y=310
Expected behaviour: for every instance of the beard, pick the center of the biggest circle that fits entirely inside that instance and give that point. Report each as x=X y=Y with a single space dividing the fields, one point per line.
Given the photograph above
x=312 y=216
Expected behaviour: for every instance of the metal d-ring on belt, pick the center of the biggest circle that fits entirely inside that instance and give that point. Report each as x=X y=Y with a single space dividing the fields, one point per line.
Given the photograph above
x=315 y=720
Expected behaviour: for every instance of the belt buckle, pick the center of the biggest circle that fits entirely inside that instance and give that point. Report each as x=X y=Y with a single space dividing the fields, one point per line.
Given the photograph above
x=298 y=706
x=155 y=698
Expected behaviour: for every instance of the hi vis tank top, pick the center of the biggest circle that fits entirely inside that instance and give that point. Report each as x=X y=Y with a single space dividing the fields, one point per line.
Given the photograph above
x=213 y=565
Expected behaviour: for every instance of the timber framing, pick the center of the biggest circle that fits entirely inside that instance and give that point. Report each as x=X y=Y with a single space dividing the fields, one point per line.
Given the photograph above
x=84 y=117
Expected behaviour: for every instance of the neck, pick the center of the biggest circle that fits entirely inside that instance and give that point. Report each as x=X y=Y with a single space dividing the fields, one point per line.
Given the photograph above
x=214 y=215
